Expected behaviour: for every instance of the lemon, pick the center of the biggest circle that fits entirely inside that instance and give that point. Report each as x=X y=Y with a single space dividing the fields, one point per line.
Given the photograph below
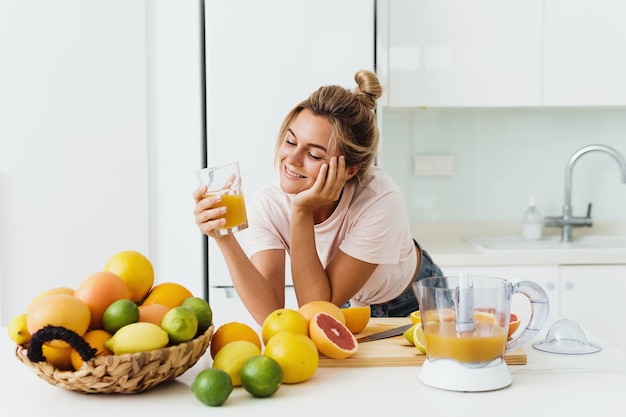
x=137 y=337
x=418 y=338
x=18 y=331
x=232 y=356
x=136 y=271
x=261 y=376
x=180 y=323
x=212 y=387
x=203 y=311
x=118 y=314
x=408 y=334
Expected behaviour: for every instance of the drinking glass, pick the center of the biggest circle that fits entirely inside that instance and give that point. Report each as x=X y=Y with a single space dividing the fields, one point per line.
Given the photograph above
x=226 y=180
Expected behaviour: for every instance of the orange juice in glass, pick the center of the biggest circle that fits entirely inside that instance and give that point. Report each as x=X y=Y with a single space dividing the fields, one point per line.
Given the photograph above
x=226 y=180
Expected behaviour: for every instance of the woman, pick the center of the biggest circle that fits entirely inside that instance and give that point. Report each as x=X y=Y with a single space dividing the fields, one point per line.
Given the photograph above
x=341 y=219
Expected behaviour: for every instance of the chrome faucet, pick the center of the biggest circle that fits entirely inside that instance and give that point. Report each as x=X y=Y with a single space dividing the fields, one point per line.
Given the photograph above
x=567 y=221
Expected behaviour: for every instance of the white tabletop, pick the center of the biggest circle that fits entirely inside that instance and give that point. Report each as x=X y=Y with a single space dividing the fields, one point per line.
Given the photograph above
x=549 y=385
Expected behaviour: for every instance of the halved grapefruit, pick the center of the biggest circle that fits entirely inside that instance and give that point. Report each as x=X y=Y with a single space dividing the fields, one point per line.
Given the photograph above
x=332 y=337
x=514 y=323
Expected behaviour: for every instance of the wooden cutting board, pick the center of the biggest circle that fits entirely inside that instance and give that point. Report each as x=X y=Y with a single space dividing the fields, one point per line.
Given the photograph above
x=394 y=351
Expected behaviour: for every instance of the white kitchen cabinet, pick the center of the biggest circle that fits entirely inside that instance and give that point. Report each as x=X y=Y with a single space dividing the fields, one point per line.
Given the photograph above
x=263 y=58
x=593 y=296
x=546 y=276
x=442 y=53
x=584 y=55
x=74 y=170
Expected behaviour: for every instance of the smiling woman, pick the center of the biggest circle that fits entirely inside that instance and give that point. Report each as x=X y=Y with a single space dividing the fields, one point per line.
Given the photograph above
x=341 y=219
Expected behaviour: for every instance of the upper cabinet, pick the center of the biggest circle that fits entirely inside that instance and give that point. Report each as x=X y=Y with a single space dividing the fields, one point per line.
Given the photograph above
x=448 y=53
x=584 y=58
x=483 y=53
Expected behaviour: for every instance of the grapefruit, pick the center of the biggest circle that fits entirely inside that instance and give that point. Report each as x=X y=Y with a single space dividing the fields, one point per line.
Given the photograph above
x=98 y=291
x=152 y=313
x=309 y=309
x=58 y=310
x=284 y=319
x=296 y=354
x=332 y=337
x=514 y=323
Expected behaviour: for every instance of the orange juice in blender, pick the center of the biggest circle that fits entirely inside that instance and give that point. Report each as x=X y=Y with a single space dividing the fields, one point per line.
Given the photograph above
x=481 y=345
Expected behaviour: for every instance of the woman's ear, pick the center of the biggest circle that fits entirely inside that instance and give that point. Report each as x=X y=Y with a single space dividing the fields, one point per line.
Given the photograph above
x=352 y=171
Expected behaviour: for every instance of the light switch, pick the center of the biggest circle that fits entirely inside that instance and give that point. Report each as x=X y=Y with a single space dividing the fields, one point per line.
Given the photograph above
x=433 y=165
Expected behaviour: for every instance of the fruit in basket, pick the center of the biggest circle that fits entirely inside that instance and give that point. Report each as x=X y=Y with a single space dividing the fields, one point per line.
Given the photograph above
x=332 y=337
x=231 y=331
x=58 y=310
x=18 y=331
x=59 y=357
x=118 y=314
x=261 y=376
x=212 y=387
x=308 y=310
x=297 y=355
x=135 y=270
x=171 y=294
x=53 y=291
x=96 y=339
x=98 y=291
x=284 y=319
x=203 y=312
x=180 y=323
x=152 y=313
x=137 y=337
x=231 y=358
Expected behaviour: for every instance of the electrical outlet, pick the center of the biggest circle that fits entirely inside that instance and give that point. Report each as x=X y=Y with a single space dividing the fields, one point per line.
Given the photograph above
x=433 y=165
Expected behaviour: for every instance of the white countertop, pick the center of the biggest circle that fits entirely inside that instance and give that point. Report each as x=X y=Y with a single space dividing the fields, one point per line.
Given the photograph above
x=549 y=384
x=446 y=243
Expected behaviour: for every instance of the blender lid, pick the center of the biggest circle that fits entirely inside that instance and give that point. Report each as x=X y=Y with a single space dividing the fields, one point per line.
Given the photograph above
x=566 y=337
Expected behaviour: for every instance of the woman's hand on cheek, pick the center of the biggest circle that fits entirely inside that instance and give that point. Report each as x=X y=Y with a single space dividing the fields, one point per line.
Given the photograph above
x=328 y=185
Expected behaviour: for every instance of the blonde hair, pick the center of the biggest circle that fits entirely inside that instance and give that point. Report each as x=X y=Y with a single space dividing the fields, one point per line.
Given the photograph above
x=352 y=117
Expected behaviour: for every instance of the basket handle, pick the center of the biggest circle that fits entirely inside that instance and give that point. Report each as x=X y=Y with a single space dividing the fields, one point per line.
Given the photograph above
x=49 y=333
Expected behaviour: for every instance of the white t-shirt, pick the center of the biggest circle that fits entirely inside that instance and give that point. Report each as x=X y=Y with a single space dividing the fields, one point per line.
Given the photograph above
x=369 y=224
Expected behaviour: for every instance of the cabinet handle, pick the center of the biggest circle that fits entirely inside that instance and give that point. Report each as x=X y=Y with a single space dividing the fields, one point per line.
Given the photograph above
x=550 y=285
x=569 y=285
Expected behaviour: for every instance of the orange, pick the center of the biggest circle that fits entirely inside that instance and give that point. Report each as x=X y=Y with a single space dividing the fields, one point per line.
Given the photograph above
x=230 y=332
x=53 y=291
x=170 y=294
x=309 y=309
x=59 y=357
x=58 y=310
x=356 y=318
x=135 y=270
x=284 y=319
x=332 y=337
x=296 y=354
x=98 y=291
x=96 y=339
x=514 y=323
x=152 y=313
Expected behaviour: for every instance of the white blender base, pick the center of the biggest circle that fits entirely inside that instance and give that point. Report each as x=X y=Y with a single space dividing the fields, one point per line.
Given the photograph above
x=453 y=376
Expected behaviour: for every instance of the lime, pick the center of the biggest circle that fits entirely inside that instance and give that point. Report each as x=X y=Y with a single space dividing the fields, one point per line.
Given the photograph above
x=232 y=356
x=261 y=376
x=203 y=312
x=118 y=314
x=180 y=323
x=212 y=386
x=418 y=338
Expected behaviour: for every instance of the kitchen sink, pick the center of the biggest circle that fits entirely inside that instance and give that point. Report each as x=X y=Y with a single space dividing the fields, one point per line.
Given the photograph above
x=503 y=243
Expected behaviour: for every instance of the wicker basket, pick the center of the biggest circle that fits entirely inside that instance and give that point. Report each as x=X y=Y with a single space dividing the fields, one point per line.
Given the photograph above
x=123 y=374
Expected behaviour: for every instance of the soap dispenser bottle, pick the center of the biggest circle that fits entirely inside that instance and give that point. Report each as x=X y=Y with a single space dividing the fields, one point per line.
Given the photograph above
x=533 y=221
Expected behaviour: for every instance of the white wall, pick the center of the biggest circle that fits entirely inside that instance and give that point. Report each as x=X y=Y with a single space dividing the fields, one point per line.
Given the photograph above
x=502 y=156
